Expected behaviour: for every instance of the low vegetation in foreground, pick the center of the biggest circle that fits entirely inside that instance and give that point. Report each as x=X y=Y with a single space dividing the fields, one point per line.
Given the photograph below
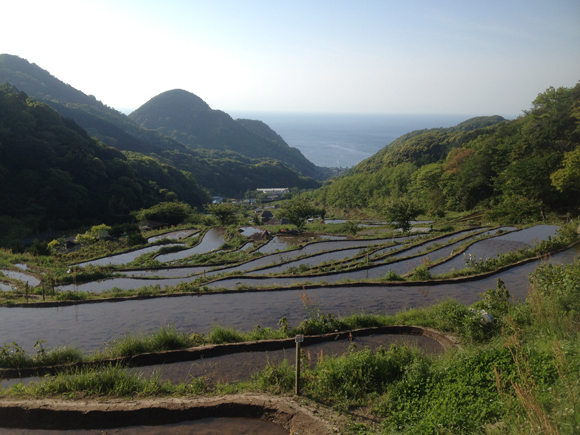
x=519 y=374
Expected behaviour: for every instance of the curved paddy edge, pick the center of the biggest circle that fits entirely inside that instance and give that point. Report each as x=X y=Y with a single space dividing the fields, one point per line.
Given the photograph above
x=61 y=414
x=214 y=350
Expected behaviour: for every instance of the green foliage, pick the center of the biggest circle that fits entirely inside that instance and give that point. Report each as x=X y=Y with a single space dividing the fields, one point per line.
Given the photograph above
x=93 y=235
x=70 y=295
x=514 y=210
x=165 y=338
x=172 y=213
x=136 y=239
x=349 y=227
x=298 y=211
x=528 y=164
x=62 y=178
x=568 y=177
x=224 y=213
x=14 y=356
x=401 y=212
x=351 y=378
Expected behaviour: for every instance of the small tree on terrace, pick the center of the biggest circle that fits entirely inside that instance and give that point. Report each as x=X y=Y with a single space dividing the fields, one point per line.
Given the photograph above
x=172 y=213
x=224 y=213
x=401 y=212
x=298 y=211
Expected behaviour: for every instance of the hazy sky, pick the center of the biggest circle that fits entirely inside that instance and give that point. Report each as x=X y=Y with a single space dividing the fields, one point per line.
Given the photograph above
x=375 y=56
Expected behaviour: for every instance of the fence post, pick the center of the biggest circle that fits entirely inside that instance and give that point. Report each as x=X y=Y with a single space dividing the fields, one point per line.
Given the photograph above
x=299 y=339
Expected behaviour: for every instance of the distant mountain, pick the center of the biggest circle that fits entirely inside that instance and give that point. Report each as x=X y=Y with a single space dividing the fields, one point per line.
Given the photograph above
x=188 y=119
x=105 y=123
x=221 y=172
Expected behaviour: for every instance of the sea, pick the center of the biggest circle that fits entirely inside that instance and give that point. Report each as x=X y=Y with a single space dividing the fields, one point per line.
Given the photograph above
x=338 y=140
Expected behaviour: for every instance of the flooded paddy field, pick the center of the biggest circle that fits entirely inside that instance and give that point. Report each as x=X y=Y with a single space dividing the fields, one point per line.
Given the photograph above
x=89 y=326
x=173 y=235
x=211 y=241
x=125 y=258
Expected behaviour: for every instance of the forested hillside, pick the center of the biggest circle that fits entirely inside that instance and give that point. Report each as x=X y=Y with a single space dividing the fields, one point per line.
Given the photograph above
x=223 y=173
x=188 y=119
x=521 y=168
x=54 y=176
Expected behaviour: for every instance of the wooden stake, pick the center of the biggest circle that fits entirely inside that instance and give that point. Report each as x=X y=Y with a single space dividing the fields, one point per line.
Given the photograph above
x=299 y=339
x=26 y=291
x=297 y=385
x=43 y=291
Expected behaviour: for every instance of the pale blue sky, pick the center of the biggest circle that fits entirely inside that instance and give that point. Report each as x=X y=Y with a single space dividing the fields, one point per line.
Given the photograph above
x=365 y=56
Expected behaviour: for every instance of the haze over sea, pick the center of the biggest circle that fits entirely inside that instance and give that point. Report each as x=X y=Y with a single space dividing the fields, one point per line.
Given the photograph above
x=343 y=140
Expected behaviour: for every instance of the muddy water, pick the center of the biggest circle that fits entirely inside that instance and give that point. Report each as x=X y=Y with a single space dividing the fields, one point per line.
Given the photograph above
x=329 y=237
x=315 y=248
x=212 y=240
x=89 y=326
x=240 y=367
x=501 y=244
x=400 y=267
x=173 y=276
x=206 y=426
x=126 y=257
x=429 y=244
x=248 y=231
x=32 y=281
x=174 y=235
x=174 y=272
x=281 y=243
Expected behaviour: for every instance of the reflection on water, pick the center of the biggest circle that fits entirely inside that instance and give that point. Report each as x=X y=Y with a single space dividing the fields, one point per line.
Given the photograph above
x=490 y=248
x=32 y=281
x=126 y=257
x=174 y=235
x=89 y=326
x=212 y=240
x=248 y=231
x=206 y=426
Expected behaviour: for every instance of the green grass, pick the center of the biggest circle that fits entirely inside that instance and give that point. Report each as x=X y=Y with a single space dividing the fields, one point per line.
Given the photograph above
x=14 y=356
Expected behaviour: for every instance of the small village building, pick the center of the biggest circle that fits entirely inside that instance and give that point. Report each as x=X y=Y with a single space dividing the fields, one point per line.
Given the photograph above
x=275 y=192
x=282 y=221
x=266 y=215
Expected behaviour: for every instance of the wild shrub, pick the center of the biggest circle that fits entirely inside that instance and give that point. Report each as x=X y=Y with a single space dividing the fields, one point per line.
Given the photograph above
x=219 y=334
x=276 y=378
x=70 y=295
x=391 y=275
x=350 y=378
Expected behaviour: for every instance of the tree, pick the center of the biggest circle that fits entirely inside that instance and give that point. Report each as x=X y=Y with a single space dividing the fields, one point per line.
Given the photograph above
x=568 y=177
x=172 y=213
x=401 y=212
x=298 y=212
x=93 y=235
x=224 y=213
